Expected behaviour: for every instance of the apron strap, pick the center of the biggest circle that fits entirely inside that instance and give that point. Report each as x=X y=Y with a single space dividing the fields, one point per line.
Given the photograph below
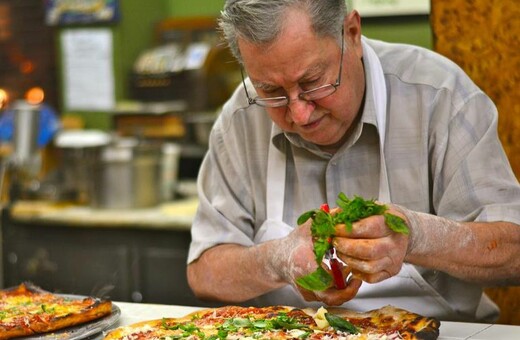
x=378 y=84
x=275 y=186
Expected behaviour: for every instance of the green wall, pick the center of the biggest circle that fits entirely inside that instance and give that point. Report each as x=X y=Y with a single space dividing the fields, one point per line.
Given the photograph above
x=413 y=30
x=186 y=8
x=135 y=33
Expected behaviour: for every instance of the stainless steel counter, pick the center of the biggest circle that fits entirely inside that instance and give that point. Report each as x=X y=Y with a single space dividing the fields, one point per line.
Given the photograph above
x=134 y=312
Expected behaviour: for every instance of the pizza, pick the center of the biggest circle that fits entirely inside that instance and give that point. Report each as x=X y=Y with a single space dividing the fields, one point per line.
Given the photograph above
x=283 y=322
x=28 y=310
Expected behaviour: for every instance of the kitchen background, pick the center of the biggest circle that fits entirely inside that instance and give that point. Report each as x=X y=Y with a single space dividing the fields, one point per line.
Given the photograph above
x=104 y=177
x=131 y=72
x=27 y=39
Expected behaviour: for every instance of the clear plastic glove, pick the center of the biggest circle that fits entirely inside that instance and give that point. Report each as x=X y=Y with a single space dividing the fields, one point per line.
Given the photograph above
x=373 y=251
x=293 y=257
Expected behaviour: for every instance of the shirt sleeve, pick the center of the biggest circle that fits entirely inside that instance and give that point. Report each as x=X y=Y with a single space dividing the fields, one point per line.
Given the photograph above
x=213 y=223
x=474 y=176
x=231 y=180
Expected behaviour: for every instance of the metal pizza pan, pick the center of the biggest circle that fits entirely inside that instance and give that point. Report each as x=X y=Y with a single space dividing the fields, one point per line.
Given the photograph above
x=82 y=331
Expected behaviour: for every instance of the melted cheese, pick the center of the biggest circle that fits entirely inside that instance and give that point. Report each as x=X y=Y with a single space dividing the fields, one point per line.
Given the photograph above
x=320 y=319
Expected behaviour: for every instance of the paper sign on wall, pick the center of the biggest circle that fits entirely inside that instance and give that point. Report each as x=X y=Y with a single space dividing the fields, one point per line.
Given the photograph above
x=391 y=7
x=88 y=71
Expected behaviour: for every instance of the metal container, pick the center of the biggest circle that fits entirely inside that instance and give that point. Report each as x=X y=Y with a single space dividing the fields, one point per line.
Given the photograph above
x=170 y=158
x=79 y=151
x=25 y=134
x=106 y=172
x=127 y=175
x=201 y=125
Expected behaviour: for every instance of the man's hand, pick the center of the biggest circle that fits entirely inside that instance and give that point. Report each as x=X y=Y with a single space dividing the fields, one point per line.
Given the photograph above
x=373 y=251
x=295 y=258
x=293 y=255
x=332 y=296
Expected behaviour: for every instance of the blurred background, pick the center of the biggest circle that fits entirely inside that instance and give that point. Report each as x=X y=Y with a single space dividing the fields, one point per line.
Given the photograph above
x=105 y=112
x=109 y=78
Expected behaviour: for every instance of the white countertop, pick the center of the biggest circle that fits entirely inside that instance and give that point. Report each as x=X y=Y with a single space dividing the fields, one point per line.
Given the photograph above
x=135 y=312
x=177 y=214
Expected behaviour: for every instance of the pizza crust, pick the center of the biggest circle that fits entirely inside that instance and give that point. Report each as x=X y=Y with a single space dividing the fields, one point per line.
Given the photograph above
x=411 y=325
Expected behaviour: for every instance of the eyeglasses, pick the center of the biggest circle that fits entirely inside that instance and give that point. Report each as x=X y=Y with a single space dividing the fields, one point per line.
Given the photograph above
x=317 y=93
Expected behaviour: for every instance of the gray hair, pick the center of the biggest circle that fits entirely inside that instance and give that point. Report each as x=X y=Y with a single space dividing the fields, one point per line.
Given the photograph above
x=261 y=21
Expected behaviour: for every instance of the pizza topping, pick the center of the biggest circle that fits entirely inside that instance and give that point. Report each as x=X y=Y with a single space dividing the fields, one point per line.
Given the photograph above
x=211 y=327
x=250 y=326
x=323 y=230
x=341 y=324
x=320 y=319
x=283 y=322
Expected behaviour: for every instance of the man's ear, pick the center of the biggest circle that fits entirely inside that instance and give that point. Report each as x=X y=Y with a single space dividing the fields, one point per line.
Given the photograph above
x=352 y=27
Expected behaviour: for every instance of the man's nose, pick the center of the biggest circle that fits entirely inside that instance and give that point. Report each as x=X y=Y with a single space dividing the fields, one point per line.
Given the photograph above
x=300 y=110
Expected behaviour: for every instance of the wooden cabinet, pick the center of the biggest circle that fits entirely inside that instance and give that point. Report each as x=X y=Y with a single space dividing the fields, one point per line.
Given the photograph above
x=483 y=37
x=123 y=264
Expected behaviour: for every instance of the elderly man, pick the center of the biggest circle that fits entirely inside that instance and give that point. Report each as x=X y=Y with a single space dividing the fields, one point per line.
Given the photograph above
x=325 y=110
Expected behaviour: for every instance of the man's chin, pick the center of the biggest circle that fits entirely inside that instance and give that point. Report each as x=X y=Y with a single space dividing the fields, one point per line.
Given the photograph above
x=329 y=144
x=324 y=144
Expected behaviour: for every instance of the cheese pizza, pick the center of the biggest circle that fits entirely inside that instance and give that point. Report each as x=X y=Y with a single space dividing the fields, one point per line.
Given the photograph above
x=28 y=310
x=283 y=322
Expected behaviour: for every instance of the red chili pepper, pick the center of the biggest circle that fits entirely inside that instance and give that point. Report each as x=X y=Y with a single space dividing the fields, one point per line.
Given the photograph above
x=337 y=274
x=325 y=207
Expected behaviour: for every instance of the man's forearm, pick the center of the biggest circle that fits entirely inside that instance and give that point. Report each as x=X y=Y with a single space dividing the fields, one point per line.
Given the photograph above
x=234 y=273
x=482 y=252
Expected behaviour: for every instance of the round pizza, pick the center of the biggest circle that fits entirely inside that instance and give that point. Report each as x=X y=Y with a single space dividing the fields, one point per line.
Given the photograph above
x=283 y=322
x=28 y=310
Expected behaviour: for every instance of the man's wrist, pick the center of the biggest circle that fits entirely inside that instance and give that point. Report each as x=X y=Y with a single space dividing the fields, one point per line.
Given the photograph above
x=275 y=257
x=427 y=231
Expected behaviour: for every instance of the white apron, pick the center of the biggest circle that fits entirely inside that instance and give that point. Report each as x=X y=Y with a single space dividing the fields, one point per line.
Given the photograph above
x=408 y=289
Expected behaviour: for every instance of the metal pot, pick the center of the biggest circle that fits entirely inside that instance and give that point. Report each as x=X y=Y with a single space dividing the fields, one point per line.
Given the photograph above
x=105 y=172
x=127 y=175
x=79 y=150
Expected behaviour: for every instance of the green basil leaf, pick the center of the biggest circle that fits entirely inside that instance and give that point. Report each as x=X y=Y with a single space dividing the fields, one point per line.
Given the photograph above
x=340 y=324
x=305 y=216
x=283 y=321
x=396 y=224
x=321 y=246
x=262 y=324
x=348 y=226
x=241 y=322
x=343 y=197
x=304 y=335
x=321 y=217
x=222 y=334
x=318 y=280
x=342 y=200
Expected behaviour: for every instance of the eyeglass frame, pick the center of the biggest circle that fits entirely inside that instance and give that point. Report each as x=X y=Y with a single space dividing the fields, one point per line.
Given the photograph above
x=252 y=101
